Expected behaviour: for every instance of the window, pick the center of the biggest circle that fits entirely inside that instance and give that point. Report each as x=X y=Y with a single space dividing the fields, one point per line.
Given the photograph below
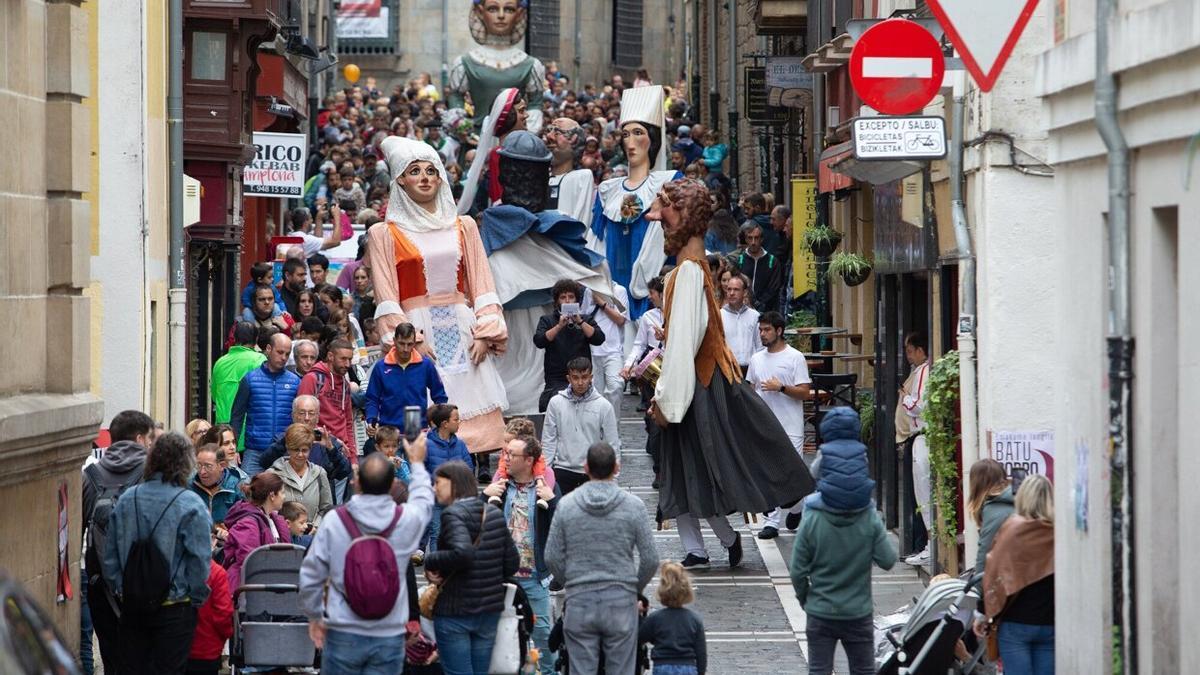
x=627 y=33
x=544 y=36
x=209 y=52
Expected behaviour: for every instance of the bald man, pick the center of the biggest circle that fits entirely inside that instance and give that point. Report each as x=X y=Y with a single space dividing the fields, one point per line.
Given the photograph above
x=572 y=190
x=264 y=403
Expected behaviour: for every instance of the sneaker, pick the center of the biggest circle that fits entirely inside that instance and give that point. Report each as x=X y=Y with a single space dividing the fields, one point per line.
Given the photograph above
x=694 y=562
x=418 y=558
x=918 y=559
x=768 y=532
x=735 y=552
x=792 y=521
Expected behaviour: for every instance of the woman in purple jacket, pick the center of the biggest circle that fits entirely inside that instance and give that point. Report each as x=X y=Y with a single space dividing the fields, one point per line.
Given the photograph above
x=254 y=522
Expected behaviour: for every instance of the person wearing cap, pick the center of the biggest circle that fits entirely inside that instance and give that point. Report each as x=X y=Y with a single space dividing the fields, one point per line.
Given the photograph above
x=634 y=244
x=432 y=263
x=691 y=149
x=529 y=249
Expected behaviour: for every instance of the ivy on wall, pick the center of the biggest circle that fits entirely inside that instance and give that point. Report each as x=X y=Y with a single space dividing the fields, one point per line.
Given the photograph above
x=941 y=432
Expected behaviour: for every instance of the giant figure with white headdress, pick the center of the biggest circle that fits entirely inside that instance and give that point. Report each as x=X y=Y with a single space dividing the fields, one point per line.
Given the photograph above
x=632 y=243
x=431 y=262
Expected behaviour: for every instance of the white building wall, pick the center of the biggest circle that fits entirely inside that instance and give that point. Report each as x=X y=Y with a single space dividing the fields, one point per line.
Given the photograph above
x=119 y=285
x=1156 y=52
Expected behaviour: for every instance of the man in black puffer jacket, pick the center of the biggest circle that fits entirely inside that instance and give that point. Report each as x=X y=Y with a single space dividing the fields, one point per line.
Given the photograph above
x=474 y=557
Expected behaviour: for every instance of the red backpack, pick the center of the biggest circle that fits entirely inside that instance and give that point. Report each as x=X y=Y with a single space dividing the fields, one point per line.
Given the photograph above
x=371 y=577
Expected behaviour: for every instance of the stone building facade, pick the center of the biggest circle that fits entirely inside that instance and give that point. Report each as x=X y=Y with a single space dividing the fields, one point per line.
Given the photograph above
x=47 y=414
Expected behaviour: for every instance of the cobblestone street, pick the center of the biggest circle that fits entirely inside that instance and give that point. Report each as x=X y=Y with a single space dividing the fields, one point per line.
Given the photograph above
x=753 y=621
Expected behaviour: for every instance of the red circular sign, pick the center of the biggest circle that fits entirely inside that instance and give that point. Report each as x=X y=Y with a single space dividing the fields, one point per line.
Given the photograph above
x=897 y=66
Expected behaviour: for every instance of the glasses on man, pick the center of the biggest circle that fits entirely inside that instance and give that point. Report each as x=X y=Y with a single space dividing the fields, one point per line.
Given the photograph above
x=307 y=413
x=207 y=467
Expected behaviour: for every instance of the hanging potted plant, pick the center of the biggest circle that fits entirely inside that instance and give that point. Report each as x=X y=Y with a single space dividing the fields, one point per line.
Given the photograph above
x=851 y=267
x=822 y=240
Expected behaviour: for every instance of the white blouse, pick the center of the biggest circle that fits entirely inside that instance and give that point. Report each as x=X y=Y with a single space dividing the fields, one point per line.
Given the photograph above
x=688 y=323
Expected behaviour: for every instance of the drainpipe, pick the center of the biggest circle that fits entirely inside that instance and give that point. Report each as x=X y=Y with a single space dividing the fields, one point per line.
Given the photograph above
x=177 y=295
x=731 y=104
x=967 y=373
x=714 y=97
x=1120 y=348
x=445 y=43
x=578 y=59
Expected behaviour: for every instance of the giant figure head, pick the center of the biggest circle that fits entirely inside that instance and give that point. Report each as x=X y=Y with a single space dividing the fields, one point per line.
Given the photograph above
x=525 y=171
x=499 y=22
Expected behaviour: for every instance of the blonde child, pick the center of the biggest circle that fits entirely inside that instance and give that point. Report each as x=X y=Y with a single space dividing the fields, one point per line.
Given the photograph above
x=387 y=441
x=296 y=516
x=520 y=426
x=676 y=632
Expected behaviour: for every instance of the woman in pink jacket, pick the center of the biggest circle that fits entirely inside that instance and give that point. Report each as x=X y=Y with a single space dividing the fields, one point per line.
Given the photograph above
x=254 y=522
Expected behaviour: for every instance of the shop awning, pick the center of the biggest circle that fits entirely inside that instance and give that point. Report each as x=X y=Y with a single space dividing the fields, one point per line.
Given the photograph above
x=839 y=168
x=831 y=55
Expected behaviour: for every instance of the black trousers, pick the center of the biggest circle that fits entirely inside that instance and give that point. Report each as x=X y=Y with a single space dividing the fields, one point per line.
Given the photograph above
x=158 y=643
x=568 y=480
x=106 y=624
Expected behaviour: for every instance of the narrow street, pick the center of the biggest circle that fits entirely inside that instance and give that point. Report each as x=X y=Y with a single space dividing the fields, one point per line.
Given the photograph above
x=753 y=622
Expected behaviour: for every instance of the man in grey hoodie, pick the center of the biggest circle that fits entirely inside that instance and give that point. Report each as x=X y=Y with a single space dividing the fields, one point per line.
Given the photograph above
x=601 y=546
x=576 y=417
x=350 y=643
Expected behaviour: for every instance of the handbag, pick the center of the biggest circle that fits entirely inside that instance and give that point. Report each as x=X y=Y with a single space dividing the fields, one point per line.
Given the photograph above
x=429 y=597
x=506 y=650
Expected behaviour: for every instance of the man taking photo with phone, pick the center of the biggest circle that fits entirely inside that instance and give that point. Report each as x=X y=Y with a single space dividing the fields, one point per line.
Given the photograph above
x=565 y=334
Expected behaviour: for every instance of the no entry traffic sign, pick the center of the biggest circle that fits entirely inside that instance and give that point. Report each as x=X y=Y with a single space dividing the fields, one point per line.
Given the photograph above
x=897 y=66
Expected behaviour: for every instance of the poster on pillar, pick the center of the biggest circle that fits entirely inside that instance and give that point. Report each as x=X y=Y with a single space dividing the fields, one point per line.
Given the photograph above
x=1032 y=451
x=804 y=216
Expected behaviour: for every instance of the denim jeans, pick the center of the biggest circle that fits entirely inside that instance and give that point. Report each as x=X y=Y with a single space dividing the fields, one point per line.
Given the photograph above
x=674 y=669
x=350 y=654
x=465 y=642
x=858 y=641
x=252 y=462
x=602 y=622
x=1026 y=649
x=86 y=658
x=539 y=602
x=433 y=530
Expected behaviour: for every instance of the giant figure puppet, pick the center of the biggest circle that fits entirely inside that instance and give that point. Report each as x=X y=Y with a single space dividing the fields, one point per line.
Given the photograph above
x=722 y=449
x=430 y=263
x=529 y=248
x=632 y=241
x=497 y=62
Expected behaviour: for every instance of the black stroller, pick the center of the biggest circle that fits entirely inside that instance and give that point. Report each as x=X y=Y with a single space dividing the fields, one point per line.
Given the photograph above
x=925 y=644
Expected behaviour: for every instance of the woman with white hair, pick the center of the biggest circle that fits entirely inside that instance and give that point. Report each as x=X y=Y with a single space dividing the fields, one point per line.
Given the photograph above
x=431 y=262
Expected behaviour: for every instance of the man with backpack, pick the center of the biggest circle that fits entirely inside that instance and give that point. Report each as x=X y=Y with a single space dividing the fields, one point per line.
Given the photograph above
x=156 y=561
x=119 y=468
x=359 y=553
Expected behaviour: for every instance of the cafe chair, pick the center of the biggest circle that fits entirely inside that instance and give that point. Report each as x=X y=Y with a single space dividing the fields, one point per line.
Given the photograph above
x=832 y=391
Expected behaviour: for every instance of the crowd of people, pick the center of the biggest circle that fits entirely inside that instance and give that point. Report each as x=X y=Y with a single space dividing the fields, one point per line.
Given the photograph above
x=360 y=406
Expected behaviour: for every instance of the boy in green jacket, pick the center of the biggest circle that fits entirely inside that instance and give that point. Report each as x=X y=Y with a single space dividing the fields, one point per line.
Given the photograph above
x=840 y=536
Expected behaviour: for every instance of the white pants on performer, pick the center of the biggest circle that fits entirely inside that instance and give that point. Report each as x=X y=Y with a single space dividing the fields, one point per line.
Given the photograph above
x=922 y=483
x=606 y=374
x=693 y=541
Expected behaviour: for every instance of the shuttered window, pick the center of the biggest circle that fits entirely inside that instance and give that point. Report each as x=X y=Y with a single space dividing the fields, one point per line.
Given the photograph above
x=544 y=31
x=627 y=33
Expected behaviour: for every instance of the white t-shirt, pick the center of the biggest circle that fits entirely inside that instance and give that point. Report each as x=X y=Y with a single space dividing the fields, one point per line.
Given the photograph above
x=312 y=243
x=790 y=368
x=614 y=342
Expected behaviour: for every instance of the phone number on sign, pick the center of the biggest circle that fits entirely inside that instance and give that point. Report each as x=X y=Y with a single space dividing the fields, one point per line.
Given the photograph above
x=273 y=191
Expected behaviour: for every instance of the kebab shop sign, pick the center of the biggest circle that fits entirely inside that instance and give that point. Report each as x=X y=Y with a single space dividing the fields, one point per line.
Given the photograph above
x=278 y=166
x=1032 y=451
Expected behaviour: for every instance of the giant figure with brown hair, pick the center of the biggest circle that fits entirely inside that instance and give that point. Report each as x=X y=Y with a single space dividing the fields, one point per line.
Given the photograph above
x=722 y=450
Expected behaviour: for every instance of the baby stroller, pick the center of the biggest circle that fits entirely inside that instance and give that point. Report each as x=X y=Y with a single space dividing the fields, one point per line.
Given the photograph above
x=942 y=616
x=269 y=629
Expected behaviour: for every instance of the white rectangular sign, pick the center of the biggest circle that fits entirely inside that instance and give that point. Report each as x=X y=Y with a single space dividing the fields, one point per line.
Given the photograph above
x=363 y=27
x=278 y=166
x=1032 y=451
x=899 y=138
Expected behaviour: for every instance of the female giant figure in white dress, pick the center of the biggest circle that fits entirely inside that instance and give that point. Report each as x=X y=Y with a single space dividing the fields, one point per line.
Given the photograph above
x=432 y=263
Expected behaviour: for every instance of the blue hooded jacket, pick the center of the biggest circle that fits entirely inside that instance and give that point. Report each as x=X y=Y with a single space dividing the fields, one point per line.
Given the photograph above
x=843 y=476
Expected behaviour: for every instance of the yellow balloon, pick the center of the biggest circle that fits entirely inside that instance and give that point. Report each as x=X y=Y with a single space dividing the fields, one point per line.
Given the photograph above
x=351 y=73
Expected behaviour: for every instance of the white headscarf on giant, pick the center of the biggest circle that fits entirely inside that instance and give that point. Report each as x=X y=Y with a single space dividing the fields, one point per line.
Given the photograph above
x=402 y=210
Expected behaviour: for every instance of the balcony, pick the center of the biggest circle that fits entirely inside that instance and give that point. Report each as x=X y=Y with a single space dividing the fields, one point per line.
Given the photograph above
x=781 y=17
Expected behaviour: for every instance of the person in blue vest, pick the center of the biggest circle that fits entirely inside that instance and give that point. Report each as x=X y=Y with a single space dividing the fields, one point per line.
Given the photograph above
x=264 y=403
